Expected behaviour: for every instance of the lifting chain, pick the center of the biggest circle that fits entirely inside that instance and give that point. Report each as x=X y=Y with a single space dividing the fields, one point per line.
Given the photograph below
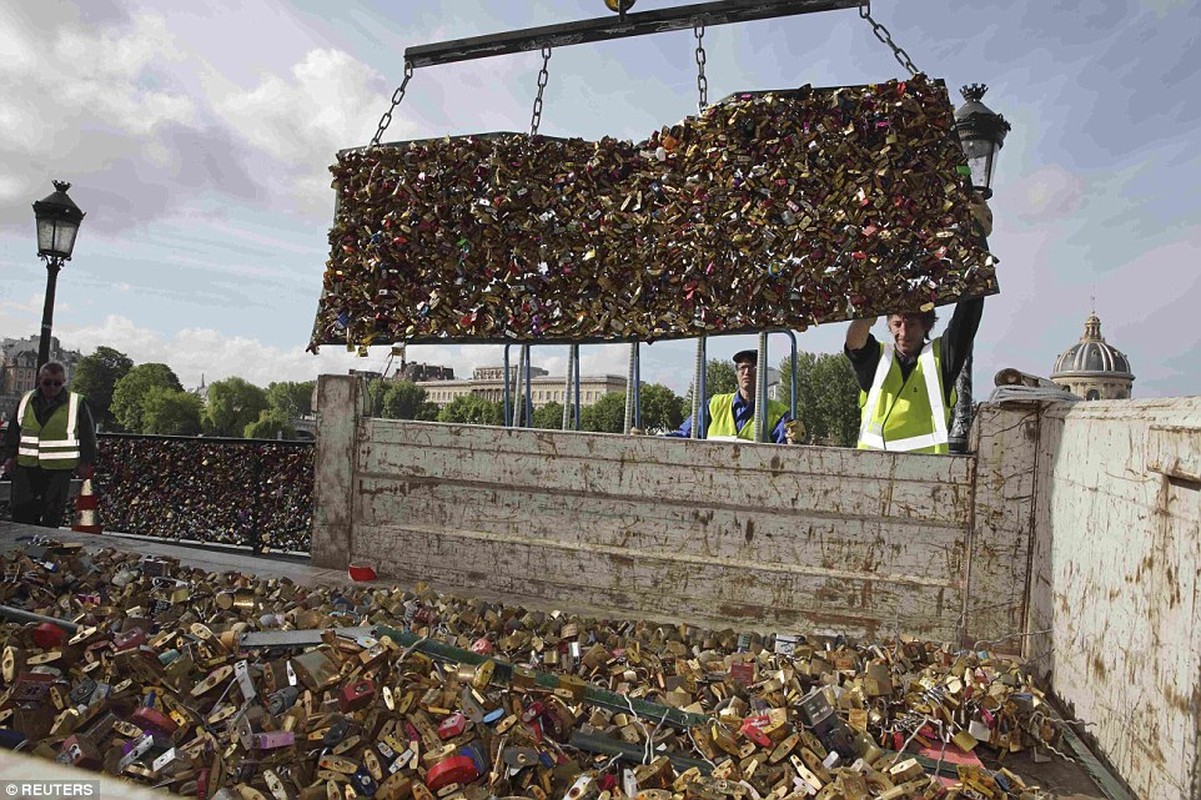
x=397 y=96
x=898 y=52
x=543 y=77
x=702 y=83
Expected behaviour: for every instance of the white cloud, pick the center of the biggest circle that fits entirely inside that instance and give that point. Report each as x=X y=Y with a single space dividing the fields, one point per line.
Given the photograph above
x=303 y=119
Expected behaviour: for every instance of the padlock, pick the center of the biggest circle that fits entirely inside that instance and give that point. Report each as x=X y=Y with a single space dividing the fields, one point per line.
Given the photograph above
x=356 y=695
x=452 y=726
x=79 y=750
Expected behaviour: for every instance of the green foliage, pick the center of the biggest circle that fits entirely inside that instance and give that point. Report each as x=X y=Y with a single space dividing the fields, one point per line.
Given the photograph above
x=233 y=404
x=662 y=409
x=171 y=413
x=607 y=415
x=827 y=397
x=720 y=378
x=472 y=409
x=95 y=376
x=290 y=398
x=550 y=416
x=131 y=390
x=405 y=400
x=271 y=424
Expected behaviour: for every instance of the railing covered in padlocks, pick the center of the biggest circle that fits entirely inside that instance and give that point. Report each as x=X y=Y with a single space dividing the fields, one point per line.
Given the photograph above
x=247 y=492
x=768 y=210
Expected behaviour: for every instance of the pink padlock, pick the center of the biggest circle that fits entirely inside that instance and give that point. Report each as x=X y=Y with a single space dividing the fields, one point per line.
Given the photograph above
x=482 y=646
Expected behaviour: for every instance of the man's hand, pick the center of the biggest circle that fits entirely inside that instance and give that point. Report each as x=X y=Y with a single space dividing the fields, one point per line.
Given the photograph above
x=10 y=466
x=982 y=214
x=794 y=431
x=84 y=471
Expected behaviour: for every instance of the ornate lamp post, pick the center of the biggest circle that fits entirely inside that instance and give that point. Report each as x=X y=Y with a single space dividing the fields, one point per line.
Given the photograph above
x=58 y=221
x=982 y=132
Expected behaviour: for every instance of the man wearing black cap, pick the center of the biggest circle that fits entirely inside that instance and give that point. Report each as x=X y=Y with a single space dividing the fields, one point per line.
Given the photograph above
x=730 y=416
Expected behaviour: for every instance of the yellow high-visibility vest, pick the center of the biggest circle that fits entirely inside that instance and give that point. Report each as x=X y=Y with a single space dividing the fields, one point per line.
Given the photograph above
x=54 y=445
x=721 y=419
x=907 y=415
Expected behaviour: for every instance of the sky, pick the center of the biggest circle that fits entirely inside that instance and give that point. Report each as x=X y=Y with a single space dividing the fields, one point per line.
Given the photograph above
x=198 y=137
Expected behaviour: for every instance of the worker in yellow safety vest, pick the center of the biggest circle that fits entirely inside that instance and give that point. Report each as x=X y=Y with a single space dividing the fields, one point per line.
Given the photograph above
x=907 y=384
x=729 y=416
x=50 y=438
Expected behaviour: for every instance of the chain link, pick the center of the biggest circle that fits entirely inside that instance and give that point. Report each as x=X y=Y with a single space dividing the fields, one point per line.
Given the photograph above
x=397 y=96
x=702 y=83
x=543 y=77
x=898 y=52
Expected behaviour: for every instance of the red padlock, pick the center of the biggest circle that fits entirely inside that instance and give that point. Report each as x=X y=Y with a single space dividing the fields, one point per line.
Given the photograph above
x=48 y=636
x=456 y=769
x=452 y=726
x=742 y=673
x=482 y=646
x=80 y=751
x=752 y=728
x=532 y=711
x=127 y=640
x=151 y=719
x=356 y=695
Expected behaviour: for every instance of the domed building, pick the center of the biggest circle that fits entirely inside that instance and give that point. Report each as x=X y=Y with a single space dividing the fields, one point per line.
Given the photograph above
x=1092 y=368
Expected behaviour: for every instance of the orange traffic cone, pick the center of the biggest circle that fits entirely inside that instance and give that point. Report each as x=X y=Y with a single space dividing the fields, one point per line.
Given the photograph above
x=86 y=520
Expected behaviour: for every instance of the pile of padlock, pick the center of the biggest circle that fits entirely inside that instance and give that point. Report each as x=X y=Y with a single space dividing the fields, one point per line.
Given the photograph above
x=223 y=685
x=769 y=210
x=227 y=492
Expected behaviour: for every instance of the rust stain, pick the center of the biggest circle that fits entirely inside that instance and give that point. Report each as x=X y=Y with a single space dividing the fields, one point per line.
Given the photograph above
x=750 y=530
x=1098 y=667
x=776 y=465
x=623 y=561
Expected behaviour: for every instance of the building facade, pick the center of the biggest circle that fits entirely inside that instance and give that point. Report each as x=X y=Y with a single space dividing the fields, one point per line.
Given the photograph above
x=489 y=383
x=19 y=367
x=1092 y=368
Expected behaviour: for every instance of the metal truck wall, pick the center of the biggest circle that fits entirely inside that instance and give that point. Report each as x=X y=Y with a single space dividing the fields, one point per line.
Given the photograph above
x=1115 y=579
x=758 y=536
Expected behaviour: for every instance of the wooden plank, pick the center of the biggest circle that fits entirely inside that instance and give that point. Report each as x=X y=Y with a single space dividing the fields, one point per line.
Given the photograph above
x=339 y=403
x=1119 y=584
x=764 y=535
x=890 y=494
x=679 y=584
x=1002 y=524
x=667 y=451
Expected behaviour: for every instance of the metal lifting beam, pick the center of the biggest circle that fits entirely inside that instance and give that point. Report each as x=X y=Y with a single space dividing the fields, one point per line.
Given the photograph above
x=600 y=29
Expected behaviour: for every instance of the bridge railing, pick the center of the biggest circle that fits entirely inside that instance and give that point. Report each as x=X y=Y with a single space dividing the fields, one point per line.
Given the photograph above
x=253 y=493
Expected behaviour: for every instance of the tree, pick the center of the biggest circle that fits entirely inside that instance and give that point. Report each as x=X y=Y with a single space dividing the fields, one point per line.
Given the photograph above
x=402 y=400
x=662 y=409
x=233 y=404
x=291 y=399
x=131 y=391
x=827 y=397
x=720 y=378
x=550 y=416
x=95 y=376
x=171 y=413
x=472 y=409
x=607 y=415
x=271 y=424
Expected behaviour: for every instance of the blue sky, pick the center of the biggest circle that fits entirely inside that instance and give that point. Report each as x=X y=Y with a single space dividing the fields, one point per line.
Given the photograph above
x=198 y=139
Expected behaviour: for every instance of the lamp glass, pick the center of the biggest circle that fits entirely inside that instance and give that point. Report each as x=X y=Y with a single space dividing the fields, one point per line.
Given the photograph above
x=980 y=153
x=56 y=237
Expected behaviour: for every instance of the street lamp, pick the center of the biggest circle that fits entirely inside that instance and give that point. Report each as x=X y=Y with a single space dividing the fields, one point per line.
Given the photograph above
x=58 y=221
x=981 y=132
